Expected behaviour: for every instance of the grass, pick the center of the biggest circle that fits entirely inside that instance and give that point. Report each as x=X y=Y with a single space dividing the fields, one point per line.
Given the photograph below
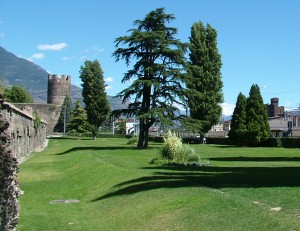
x=118 y=190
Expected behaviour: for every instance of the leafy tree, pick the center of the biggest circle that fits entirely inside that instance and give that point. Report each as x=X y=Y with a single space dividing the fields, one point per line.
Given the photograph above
x=78 y=123
x=121 y=126
x=94 y=95
x=238 y=122
x=257 y=117
x=204 y=81
x=17 y=94
x=159 y=60
x=65 y=115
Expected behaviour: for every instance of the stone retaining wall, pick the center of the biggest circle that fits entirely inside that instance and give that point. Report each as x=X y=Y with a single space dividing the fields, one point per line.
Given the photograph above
x=25 y=135
x=48 y=112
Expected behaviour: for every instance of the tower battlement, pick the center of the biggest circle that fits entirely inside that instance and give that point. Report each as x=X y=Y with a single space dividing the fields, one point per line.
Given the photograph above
x=61 y=78
x=58 y=88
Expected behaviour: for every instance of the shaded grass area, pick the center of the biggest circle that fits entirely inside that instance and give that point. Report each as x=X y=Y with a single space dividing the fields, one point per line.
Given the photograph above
x=118 y=190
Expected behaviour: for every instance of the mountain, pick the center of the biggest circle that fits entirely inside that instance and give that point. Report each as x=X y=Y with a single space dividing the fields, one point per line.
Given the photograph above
x=19 y=71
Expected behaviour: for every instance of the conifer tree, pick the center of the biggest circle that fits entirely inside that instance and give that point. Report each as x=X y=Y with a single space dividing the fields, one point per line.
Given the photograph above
x=257 y=117
x=238 y=128
x=65 y=115
x=157 y=73
x=94 y=95
x=204 y=81
x=78 y=122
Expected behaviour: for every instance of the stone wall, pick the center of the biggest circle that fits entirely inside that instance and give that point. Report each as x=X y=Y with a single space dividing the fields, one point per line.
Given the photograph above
x=47 y=112
x=24 y=136
x=9 y=185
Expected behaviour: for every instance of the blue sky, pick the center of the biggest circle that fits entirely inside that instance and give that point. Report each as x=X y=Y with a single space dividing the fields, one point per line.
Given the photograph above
x=259 y=40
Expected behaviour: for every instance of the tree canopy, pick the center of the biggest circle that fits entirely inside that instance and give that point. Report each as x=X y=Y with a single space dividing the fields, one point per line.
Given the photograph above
x=156 y=75
x=204 y=81
x=17 y=94
x=94 y=94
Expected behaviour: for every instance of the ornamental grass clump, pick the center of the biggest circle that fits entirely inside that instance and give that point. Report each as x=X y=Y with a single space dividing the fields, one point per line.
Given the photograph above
x=174 y=151
x=171 y=148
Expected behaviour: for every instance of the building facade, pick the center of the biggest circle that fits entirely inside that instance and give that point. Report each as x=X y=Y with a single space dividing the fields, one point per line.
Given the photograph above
x=283 y=123
x=274 y=109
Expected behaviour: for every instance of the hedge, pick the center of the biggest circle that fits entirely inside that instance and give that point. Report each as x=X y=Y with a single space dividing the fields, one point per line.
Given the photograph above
x=290 y=142
x=285 y=142
x=157 y=139
x=219 y=140
x=89 y=134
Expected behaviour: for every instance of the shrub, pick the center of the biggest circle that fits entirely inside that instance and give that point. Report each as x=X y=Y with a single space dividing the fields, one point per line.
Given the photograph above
x=154 y=161
x=190 y=154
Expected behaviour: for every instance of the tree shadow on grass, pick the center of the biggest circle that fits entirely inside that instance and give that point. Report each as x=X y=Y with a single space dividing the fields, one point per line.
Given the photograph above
x=96 y=149
x=69 y=138
x=214 y=177
x=256 y=159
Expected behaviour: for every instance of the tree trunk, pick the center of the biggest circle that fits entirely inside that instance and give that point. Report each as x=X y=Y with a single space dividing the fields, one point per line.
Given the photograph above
x=146 y=136
x=140 y=143
x=94 y=132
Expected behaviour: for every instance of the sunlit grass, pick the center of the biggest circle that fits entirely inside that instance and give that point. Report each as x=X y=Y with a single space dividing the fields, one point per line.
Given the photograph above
x=118 y=190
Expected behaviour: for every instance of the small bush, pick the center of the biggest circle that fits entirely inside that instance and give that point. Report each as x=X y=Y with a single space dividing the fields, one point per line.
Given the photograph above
x=155 y=161
x=190 y=154
x=133 y=140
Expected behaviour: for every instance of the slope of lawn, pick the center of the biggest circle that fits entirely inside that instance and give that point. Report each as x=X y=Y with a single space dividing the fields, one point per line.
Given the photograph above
x=119 y=190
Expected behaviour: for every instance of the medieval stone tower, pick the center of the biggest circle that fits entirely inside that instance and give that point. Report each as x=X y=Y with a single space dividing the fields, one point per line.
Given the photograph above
x=58 y=89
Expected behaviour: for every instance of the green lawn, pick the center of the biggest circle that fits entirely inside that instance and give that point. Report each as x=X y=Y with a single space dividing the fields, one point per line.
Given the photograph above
x=119 y=190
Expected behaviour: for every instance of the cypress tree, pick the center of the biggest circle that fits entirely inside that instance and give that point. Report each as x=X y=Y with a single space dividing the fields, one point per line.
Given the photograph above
x=257 y=117
x=78 y=122
x=94 y=95
x=238 y=128
x=204 y=81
